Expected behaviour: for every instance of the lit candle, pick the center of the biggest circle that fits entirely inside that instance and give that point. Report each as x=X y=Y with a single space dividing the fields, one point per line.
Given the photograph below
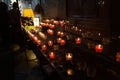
x=70 y=72
x=77 y=40
x=39 y=42
x=31 y=35
x=69 y=56
x=42 y=35
x=36 y=31
x=59 y=40
x=42 y=24
x=51 y=55
x=35 y=38
x=76 y=28
x=118 y=57
x=55 y=22
x=99 y=34
x=50 y=43
x=58 y=33
x=44 y=47
x=47 y=25
x=62 y=42
x=62 y=23
x=39 y=27
x=99 y=48
x=47 y=20
x=61 y=34
x=52 y=26
x=51 y=32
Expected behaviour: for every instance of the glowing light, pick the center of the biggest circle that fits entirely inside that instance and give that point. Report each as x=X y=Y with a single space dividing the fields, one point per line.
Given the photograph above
x=59 y=40
x=62 y=42
x=44 y=47
x=51 y=55
x=28 y=12
x=69 y=56
x=42 y=35
x=118 y=57
x=70 y=72
x=50 y=43
x=99 y=48
x=51 y=32
x=78 y=40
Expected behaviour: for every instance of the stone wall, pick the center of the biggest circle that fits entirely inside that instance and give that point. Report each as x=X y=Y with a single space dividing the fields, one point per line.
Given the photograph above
x=54 y=8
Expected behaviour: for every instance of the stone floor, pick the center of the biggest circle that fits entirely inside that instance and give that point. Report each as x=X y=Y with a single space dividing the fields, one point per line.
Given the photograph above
x=27 y=66
x=22 y=64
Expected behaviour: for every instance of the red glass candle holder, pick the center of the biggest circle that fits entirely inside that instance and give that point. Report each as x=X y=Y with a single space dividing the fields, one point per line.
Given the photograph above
x=50 y=43
x=44 y=47
x=39 y=42
x=99 y=48
x=42 y=35
x=61 y=34
x=62 y=42
x=56 y=22
x=39 y=27
x=52 y=55
x=52 y=26
x=78 y=40
x=59 y=40
x=35 y=38
x=47 y=20
x=61 y=23
x=51 y=32
x=58 y=33
x=118 y=57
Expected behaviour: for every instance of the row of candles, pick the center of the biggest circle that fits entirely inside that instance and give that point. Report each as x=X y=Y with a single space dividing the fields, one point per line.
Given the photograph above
x=61 y=23
x=98 y=47
x=50 y=43
x=68 y=56
x=52 y=56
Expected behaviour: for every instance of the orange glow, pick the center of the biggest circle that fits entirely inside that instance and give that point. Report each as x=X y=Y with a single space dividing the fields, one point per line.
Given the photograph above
x=39 y=42
x=56 y=22
x=70 y=72
x=47 y=20
x=50 y=43
x=62 y=23
x=69 y=56
x=52 y=26
x=77 y=40
x=62 y=42
x=59 y=40
x=52 y=55
x=118 y=57
x=42 y=35
x=58 y=33
x=61 y=34
x=51 y=32
x=44 y=47
x=99 y=48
